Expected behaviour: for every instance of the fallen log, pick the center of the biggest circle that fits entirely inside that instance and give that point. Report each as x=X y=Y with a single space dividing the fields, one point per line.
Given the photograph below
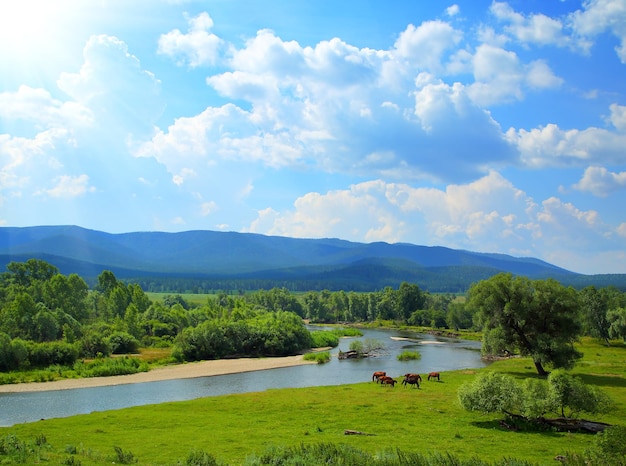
x=578 y=425
x=355 y=432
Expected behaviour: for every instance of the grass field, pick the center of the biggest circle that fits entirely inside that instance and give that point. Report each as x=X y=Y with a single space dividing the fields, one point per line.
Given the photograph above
x=235 y=426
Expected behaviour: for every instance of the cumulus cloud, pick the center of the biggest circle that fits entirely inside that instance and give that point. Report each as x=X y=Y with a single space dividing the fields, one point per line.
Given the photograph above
x=198 y=47
x=473 y=215
x=535 y=29
x=601 y=182
x=114 y=87
x=551 y=146
x=38 y=107
x=597 y=17
x=339 y=108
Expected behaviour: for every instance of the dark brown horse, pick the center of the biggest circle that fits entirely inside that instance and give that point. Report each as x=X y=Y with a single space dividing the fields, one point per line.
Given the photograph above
x=412 y=379
x=386 y=380
x=377 y=375
x=417 y=376
x=434 y=375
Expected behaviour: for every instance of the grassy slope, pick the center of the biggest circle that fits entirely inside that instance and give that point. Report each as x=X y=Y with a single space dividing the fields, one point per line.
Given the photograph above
x=235 y=426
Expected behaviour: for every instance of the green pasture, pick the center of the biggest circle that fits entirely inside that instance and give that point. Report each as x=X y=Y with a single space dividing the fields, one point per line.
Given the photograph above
x=233 y=427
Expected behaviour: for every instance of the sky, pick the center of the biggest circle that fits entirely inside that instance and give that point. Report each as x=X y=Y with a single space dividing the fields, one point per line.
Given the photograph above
x=480 y=125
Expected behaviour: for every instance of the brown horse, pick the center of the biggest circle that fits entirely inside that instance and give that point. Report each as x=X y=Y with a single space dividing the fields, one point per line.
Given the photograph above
x=377 y=375
x=385 y=380
x=434 y=375
x=412 y=379
x=417 y=376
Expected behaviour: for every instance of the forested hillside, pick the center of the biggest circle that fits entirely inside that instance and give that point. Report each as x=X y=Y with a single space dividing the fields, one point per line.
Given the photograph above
x=208 y=261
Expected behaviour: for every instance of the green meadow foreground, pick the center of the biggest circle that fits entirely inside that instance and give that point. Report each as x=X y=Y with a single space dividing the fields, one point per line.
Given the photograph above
x=234 y=427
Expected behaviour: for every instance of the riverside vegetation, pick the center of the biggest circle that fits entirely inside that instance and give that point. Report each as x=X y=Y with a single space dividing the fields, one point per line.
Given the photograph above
x=53 y=326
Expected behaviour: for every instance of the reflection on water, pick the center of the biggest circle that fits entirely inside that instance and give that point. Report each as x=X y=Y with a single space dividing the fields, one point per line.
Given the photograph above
x=438 y=354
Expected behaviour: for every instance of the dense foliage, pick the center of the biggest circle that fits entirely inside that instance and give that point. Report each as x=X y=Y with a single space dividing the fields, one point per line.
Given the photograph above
x=562 y=395
x=48 y=319
x=537 y=318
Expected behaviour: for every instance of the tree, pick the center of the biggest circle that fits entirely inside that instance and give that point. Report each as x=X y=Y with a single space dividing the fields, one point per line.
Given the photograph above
x=562 y=394
x=617 y=319
x=594 y=305
x=410 y=299
x=491 y=392
x=538 y=318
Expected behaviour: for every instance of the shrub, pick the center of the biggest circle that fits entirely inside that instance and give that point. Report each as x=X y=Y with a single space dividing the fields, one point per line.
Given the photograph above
x=320 y=357
x=408 y=355
x=50 y=353
x=123 y=457
x=200 y=458
x=107 y=367
x=324 y=338
x=123 y=343
x=611 y=445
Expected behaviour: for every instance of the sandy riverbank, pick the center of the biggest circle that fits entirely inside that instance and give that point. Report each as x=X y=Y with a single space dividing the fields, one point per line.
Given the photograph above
x=181 y=371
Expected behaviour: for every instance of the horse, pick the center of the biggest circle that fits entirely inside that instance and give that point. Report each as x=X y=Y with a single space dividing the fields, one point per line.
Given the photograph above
x=385 y=380
x=377 y=375
x=412 y=380
x=434 y=375
x=417 y=376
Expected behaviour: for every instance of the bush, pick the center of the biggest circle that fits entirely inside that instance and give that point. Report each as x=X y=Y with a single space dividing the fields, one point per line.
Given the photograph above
x=123 y=343
x=50 y=353
x=563 y=394
x=408 y=355
x=200 y=458
x=491 y=392
x=324 y=338
x=320 y=357
x=611 y=445
x=110 y=366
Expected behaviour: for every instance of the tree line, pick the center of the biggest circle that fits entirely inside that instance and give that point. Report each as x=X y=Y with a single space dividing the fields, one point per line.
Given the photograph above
x=49 y=318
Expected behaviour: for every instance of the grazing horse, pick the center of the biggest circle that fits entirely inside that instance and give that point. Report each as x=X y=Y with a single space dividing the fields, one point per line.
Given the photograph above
x=417 y=376
x=386 y=380
x=377 y=375
x=434 y=375
x=412 y=379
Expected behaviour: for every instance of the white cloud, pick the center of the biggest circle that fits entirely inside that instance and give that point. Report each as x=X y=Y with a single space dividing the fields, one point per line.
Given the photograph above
x=540 y=76
x=207 y=208
x=453 y=10
x=500 y=77
x=68 y=187
x=338 y=108
x=38 y=106
x=552 y=146
x=472 y=216
x=425 y=46
x=601 y=182
x=111 y=83
x=597 y=17
x=536 y=29
x=197 y=47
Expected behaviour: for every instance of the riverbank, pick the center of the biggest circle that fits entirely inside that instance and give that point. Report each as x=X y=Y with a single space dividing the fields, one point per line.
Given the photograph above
x=179 y=371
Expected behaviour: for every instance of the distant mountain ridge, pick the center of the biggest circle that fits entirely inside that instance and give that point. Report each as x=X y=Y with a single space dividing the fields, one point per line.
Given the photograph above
x=248 y=258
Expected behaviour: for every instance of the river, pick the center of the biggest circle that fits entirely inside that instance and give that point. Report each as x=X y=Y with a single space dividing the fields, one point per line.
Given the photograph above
x=438 y=354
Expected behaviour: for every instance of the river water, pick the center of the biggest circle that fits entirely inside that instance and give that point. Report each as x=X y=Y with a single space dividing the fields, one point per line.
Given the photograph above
x=438 y=354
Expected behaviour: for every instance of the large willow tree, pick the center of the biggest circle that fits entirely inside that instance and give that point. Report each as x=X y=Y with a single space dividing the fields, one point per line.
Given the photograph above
x=536 y=318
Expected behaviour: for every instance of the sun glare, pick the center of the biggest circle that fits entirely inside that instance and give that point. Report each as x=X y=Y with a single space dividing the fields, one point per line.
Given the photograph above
x=32 y=28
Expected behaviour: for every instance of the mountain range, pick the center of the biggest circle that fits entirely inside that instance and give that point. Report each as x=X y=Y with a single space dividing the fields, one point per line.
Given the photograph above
x=210 y=260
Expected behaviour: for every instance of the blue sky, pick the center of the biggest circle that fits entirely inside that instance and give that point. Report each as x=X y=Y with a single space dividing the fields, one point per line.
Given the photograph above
x=478 y=125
